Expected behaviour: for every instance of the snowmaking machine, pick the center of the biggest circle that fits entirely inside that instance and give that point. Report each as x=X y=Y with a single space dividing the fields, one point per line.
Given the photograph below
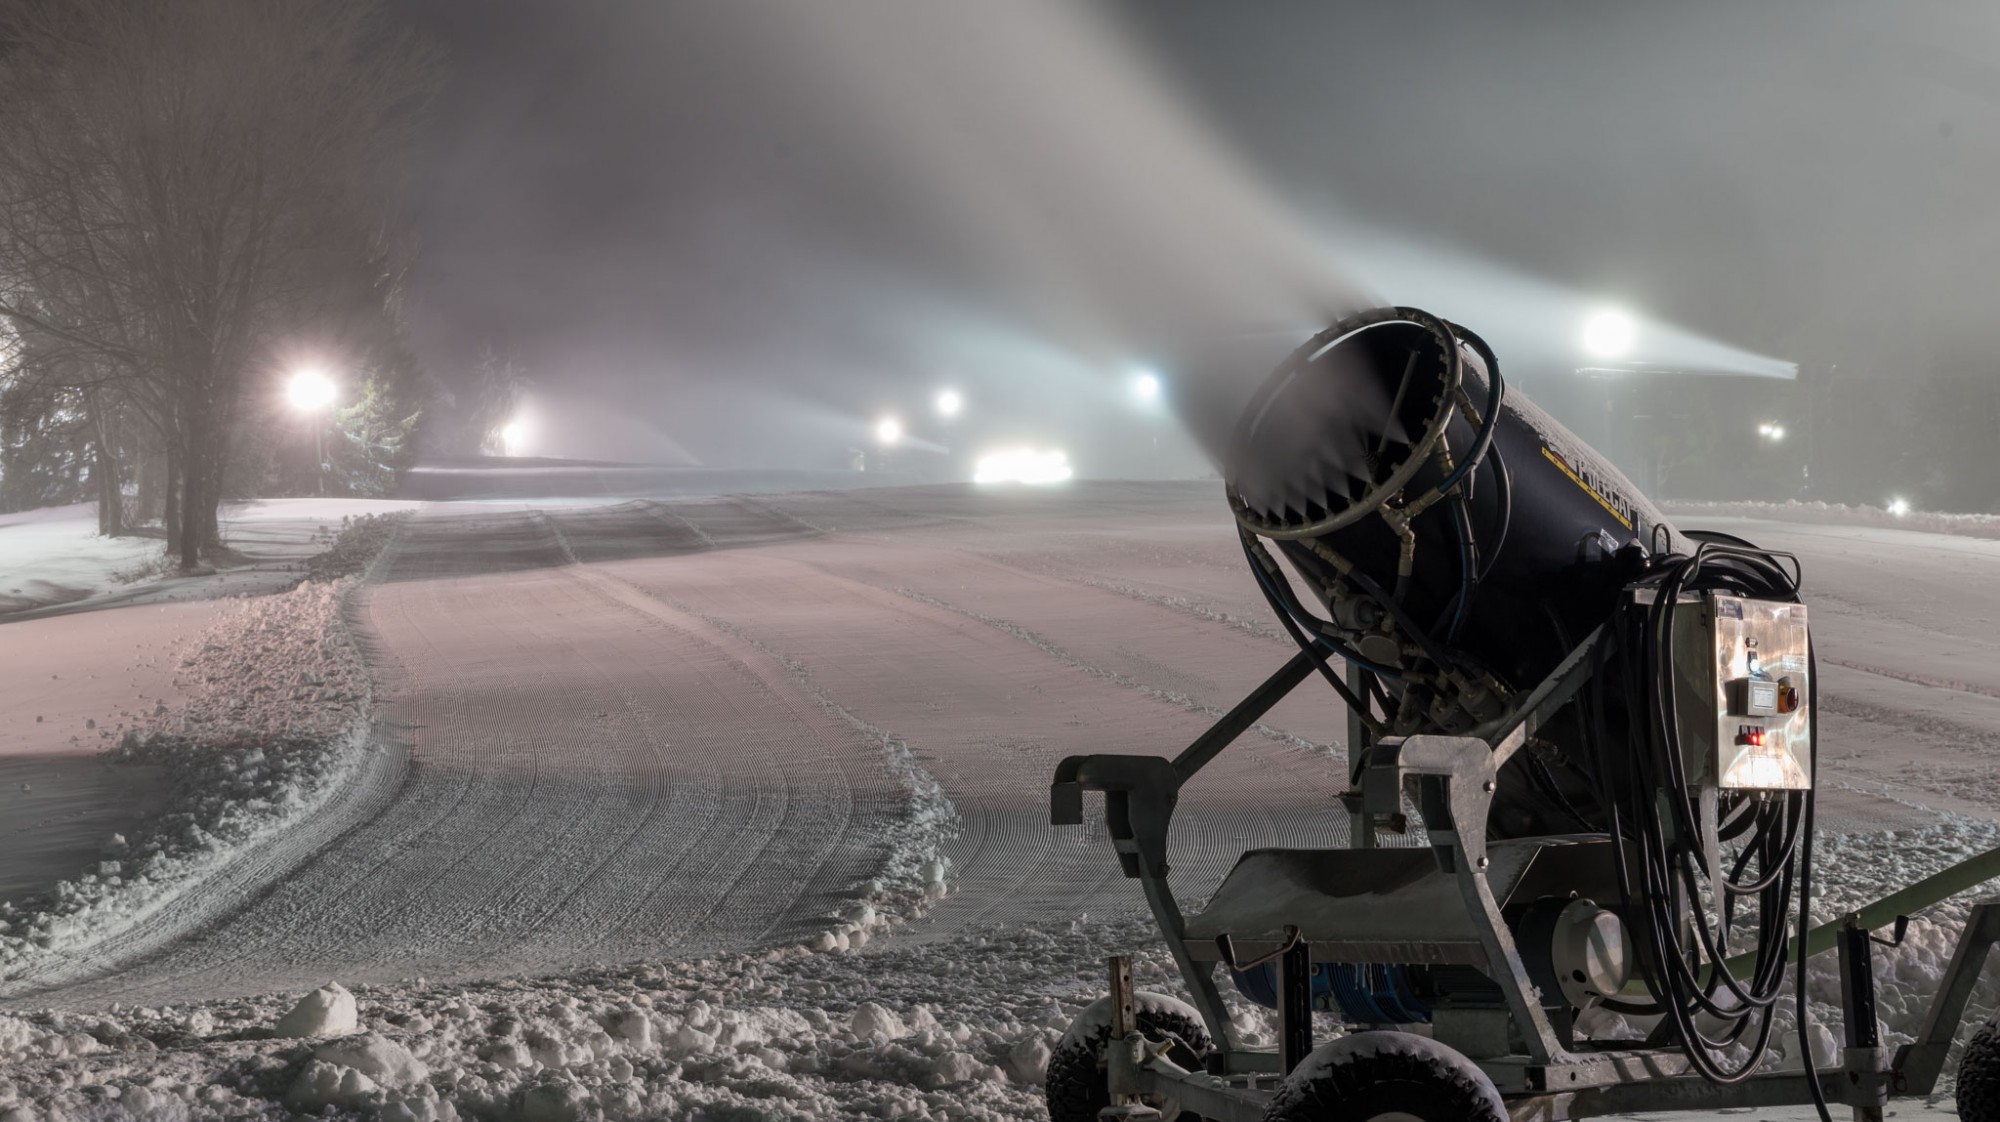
x=1581 y=751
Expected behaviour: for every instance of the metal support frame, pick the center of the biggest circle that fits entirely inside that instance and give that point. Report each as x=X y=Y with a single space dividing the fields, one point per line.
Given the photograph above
x=1124 y=1028
x=1864 y=1061
x=1295 y=1011
x=1456 y=777
x=1919 y=1063
x=1454 y=780
x=1139 y=797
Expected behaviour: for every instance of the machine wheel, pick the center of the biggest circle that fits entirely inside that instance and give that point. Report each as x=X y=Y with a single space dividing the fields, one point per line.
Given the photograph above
x=1979 y=1076
x=1075 y=1078
x=1386 y=1077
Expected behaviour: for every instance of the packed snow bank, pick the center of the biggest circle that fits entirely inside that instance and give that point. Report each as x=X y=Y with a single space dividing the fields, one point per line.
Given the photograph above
x=350 y=551
x=276 y=713
x=55 y=554
x=1837 y=514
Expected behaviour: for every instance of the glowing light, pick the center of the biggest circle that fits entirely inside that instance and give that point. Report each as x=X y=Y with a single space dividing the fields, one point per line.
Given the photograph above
x=1609 y=333
x=1899 y=506
x=1022 y=465
x=950 y=403
x=1146 y=385
x=1771 y=431
x=514 y=437
x=311 y=390
x=888 y=430
x=1764 y=769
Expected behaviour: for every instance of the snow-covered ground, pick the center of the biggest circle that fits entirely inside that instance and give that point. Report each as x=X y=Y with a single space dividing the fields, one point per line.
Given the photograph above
x=53 y=558
x=1840 y=514
x=54 y=554
x=713 y=743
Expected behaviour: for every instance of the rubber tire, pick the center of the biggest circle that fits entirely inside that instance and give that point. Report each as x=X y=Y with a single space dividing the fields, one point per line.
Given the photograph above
x=1371 y=1074
x=1075 y=1078
x=1979 y=1076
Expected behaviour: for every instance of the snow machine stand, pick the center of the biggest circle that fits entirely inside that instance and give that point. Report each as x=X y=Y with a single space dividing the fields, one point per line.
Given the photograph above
x=1581 y=755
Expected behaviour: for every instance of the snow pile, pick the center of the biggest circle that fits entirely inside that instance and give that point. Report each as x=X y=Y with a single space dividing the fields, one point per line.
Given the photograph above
x=956 y=1028
x=277 y=713
x=326 y=1011
x=1961 y=525
x=360 y=539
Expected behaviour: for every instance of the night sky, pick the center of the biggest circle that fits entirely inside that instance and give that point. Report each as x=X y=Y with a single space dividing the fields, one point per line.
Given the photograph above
x=747 y=230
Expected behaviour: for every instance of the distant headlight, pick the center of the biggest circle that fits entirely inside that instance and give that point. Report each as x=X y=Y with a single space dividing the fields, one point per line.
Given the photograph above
x=1022 y=465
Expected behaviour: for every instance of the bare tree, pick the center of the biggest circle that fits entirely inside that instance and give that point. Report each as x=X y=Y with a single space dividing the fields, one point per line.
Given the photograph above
x=181 y=185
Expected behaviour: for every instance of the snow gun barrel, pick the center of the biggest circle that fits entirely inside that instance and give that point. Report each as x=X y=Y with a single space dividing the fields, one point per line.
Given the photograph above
x=1456 y=541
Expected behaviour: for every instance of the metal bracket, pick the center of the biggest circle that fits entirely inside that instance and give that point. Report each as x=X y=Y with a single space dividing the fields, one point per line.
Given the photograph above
x=1509 y=733
x=1918 y=1064
x=1295 y=1011
x=1456 y=779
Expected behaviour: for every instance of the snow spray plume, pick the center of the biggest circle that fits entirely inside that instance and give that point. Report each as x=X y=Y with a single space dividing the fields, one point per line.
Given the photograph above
x=1060 y=184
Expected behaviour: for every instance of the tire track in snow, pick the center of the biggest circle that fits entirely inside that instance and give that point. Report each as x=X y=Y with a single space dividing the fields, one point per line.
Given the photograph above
x=914 y=846
x=1170 y=697
x=932 y=820
x=922 y=664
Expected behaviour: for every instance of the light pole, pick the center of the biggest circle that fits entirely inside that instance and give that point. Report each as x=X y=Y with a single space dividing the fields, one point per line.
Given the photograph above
x=311 y=391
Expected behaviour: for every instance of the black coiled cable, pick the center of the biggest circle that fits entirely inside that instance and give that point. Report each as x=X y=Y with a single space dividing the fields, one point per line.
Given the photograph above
x=1652 y=806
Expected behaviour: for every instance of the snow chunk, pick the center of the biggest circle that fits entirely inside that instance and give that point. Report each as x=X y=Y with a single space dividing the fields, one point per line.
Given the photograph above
x=632 y=1026
x=322 y=1085
x=873 y=1022
x=377 y=1057
x=326 y=1011
x=551 y=1102
x=1029 y=1057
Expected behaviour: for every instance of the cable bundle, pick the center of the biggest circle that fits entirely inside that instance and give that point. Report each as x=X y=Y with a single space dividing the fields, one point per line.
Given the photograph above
x=1682 y=912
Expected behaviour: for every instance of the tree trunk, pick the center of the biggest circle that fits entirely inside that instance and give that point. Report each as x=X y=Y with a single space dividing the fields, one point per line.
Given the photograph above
x=194 y=496
x=110 y=500
x=170 y=501
x=151 y=503
x=211 y=507
x=201 y=491
x=110 y=493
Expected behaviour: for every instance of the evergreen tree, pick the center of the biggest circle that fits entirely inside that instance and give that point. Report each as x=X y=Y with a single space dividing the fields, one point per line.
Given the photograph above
x=373 y=440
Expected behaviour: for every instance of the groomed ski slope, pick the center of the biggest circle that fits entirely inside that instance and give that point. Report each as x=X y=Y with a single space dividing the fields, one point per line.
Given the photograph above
x=651 y=729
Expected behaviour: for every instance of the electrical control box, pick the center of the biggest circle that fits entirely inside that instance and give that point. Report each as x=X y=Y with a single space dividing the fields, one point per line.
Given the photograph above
x=1740 y=686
